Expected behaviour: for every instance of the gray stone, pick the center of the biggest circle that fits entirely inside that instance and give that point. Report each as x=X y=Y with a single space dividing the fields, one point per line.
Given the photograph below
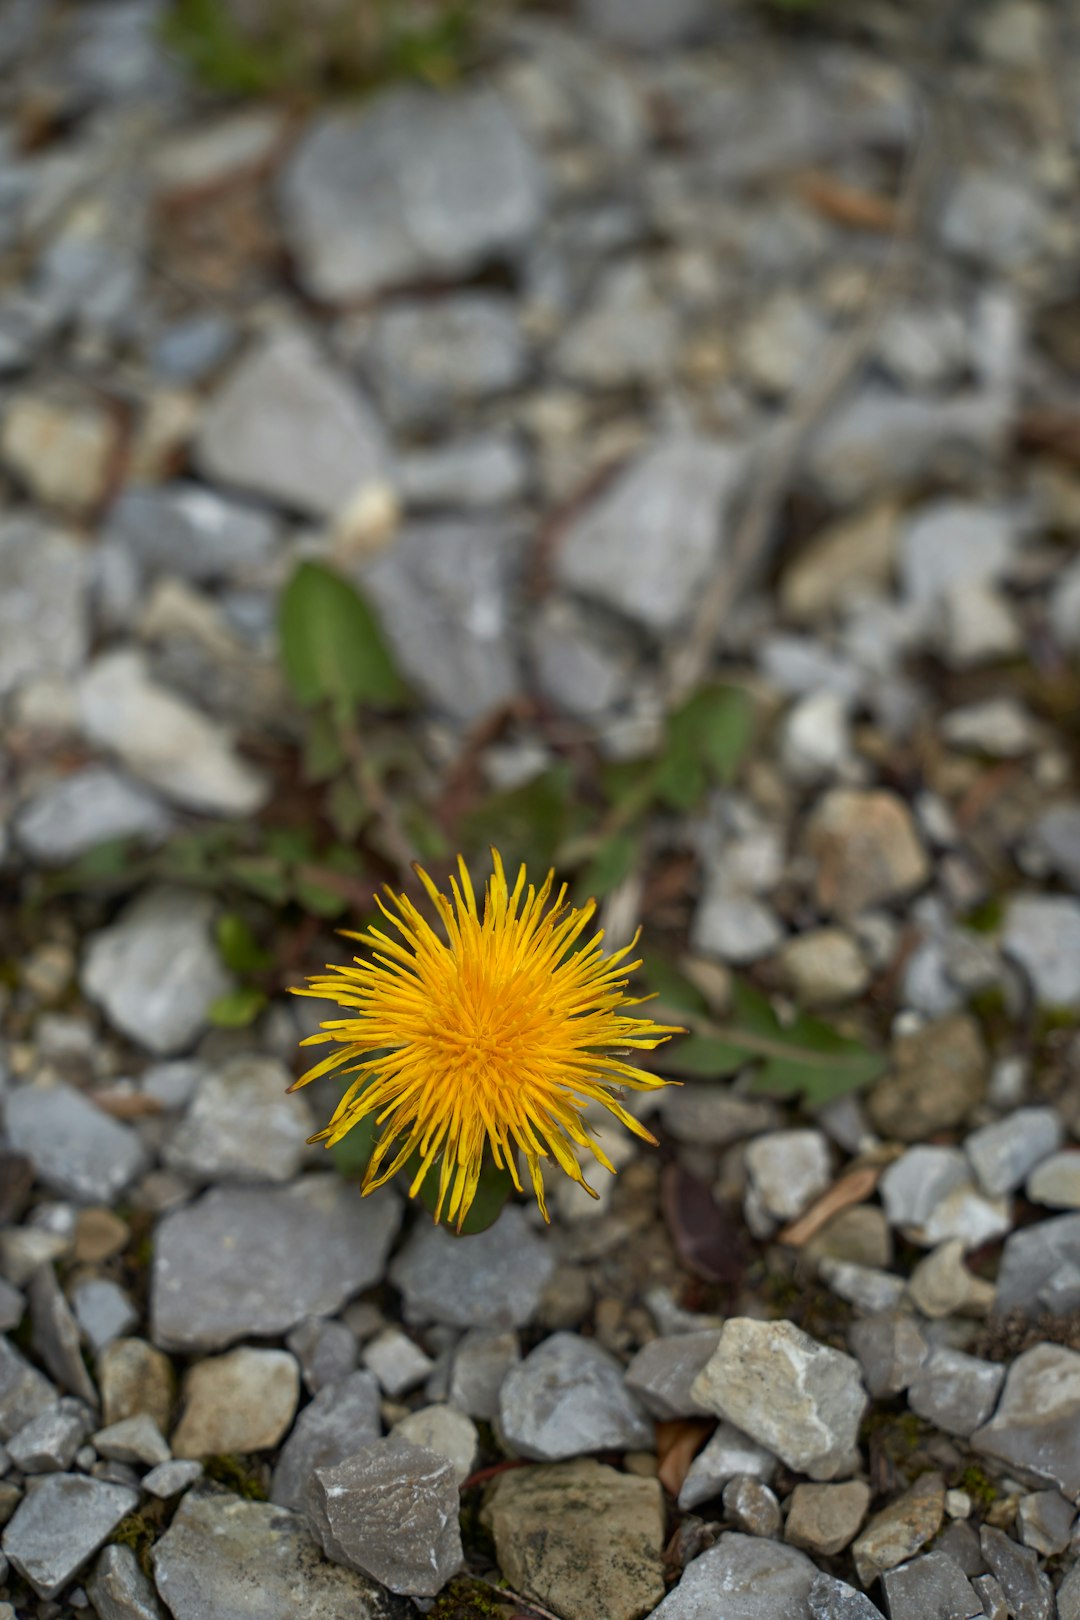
x=801 y=1399
x=713 y=1116
x=824 y=967
x=954 y=1391
x=428 y=359
x=443 y=593
x=119 y=1590
x=192 y=532
x=48 y=1443
x=751 y=1506
x=580 y=665
x=417 y=186
x=649 y=543
x=326 y=1351
x=1068 y=1597
x=825 y=1519
x=165 y=741
x=390 y=1511
x=627 y=336
x=103 y=1311
x=235 y=1559
x=788 y=1170
x=1040 y=1268
x=483 y=471
x=189 y=349
x=396 y=1361
x=880 y=441
x=480 y=1364
x=1000 y=728
x=641 y=26
x=493 y=1281
x=891 y=1348
x=1004 y=1153
x=447 y=1432
x=727 y=1454
x=866 y=1287
x=56 y=1336
x=44 y=619
x=993 y=220
x=581 y=1537
x=24 y=1392
x=59 y=1526
x=991 y=1597
x=135 y=1439
x=156 y=971
x=1036 y=1428
x=94 y=805
x=1046 y=1522
x=900 y=1529
x=742 y=1578
x=951 y=544
x=242 y=1401
x=258 y=1260
x=1042 y=934
x=1027 y=1589
x=568 y=1397
x=12 y=1306
x=737 y=928
x=960 y=1540
x=342 y=1418
x=77 y=1150
x=662 y=1372
x=915 y=1184
x=1056 y=1182
x=831 y=1599
x=242 y=1125
x=1056 y=836
x=286 y=426
x=930 y=1588
x=169 y=1479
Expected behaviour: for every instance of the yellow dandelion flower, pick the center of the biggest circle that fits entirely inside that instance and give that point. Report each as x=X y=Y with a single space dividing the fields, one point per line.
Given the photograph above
x=490 y=1040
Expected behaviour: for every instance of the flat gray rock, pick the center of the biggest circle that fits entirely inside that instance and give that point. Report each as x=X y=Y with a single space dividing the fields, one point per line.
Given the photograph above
x=429 y=358
x=94 y=805
x=119 y=1590
x=192 y=533
x=77 y=1151
x=641 y=26
x=254 y=1261
x=649 y=543
x=480 y=1364
x=569 y=1397
x=56 y=1336
x=341 y=1418
x=661 y=1373
x=495 y=1280
x=1004 y=1153
x=890 y=1348
x=728 y=1454
x=742 y=1578
x=1056 y=835
x=1027 y=1588
x=442 y=590
x=1036 y=1428
x=156 y=971
x=416 y=186
x=234 y=1559
x=831 y=1599
x=880 y=440
x=59 y=1526
x=931 y=1587
x=949 y=544
x=287 y=426
x=24 y=1392
x=103 y=1311
x=242 y=1125
x=44 y=615
x=325 y=1349
x=473 y=474
x=1042 y=933
x=954 y=1391
x=800 y=1399
x=1040 y=1268
x=48 y=1443
x=390 y=1511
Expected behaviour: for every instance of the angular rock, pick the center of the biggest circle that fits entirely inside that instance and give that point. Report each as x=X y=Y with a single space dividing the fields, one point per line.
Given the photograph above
x=1027 y=1589
x=119 y=1590
x=727 y=1455
x=288 y=427
x=825 y=1519
x=59 y=1526
x=626 y=337
x=788 y=1170
x=891 y=1348
x=445 y=1431
x=94 y=805
x=568 y=1397
x=1046 y=1522
x=1042 y=933
x=899 y=1530
x=736 y=928
x=156 y=971
x=171 y=1479
x=742 y=1578
x=1056 y=1182
x=256 y=1261
x=416 y=186
x=56 y=1336
x=326 y=1351
x=1036 y=1428
x=713 y=1116
x=649 y=543
x=954 y=1391
x=78 y=1151
x=442 y=590
x=192 y=532
x=992 y=219
x=429 y=358
x=801 y=1399
x=480 y=1365
x=938 y=1076
x=44 y=617
x=396 y=1361
x=472 y=474
x=867 y=850
x=133 y=1440
x=751 y=1506
x=48 y=1443
x=1056 y=836
x=103 y=1311
x=242 y=1126
x=831 y=1599
x=1068 y=1598
x=581 y=1538
x=1004 y=1153
x=493 y=1281
x=662 y=1372
x=239 y=1402
x=342 y=1418
x=227 y=1557
x=931 y=1587
x=823 y=967
x=164 y=740
x=135 y=1380
x=1040 y=1268
x=951 y=544
x=390 y=1511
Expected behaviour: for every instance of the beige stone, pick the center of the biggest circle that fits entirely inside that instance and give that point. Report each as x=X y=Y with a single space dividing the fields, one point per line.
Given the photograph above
x=823 y=968
x=867 y=850
x=826 y=1518
x=134 y=1377
x=62 y=449
x=242 y=1401
x=842 y=561
x=899 y=1530
x=938 y=1075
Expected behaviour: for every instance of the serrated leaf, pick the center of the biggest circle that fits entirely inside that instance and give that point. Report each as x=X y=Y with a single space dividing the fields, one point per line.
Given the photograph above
x=705 y=1057
x=237 y=1008
x=331 y=645
x=238 y=947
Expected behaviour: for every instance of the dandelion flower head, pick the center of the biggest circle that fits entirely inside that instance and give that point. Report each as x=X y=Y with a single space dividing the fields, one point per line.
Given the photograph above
x=489 y=1035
